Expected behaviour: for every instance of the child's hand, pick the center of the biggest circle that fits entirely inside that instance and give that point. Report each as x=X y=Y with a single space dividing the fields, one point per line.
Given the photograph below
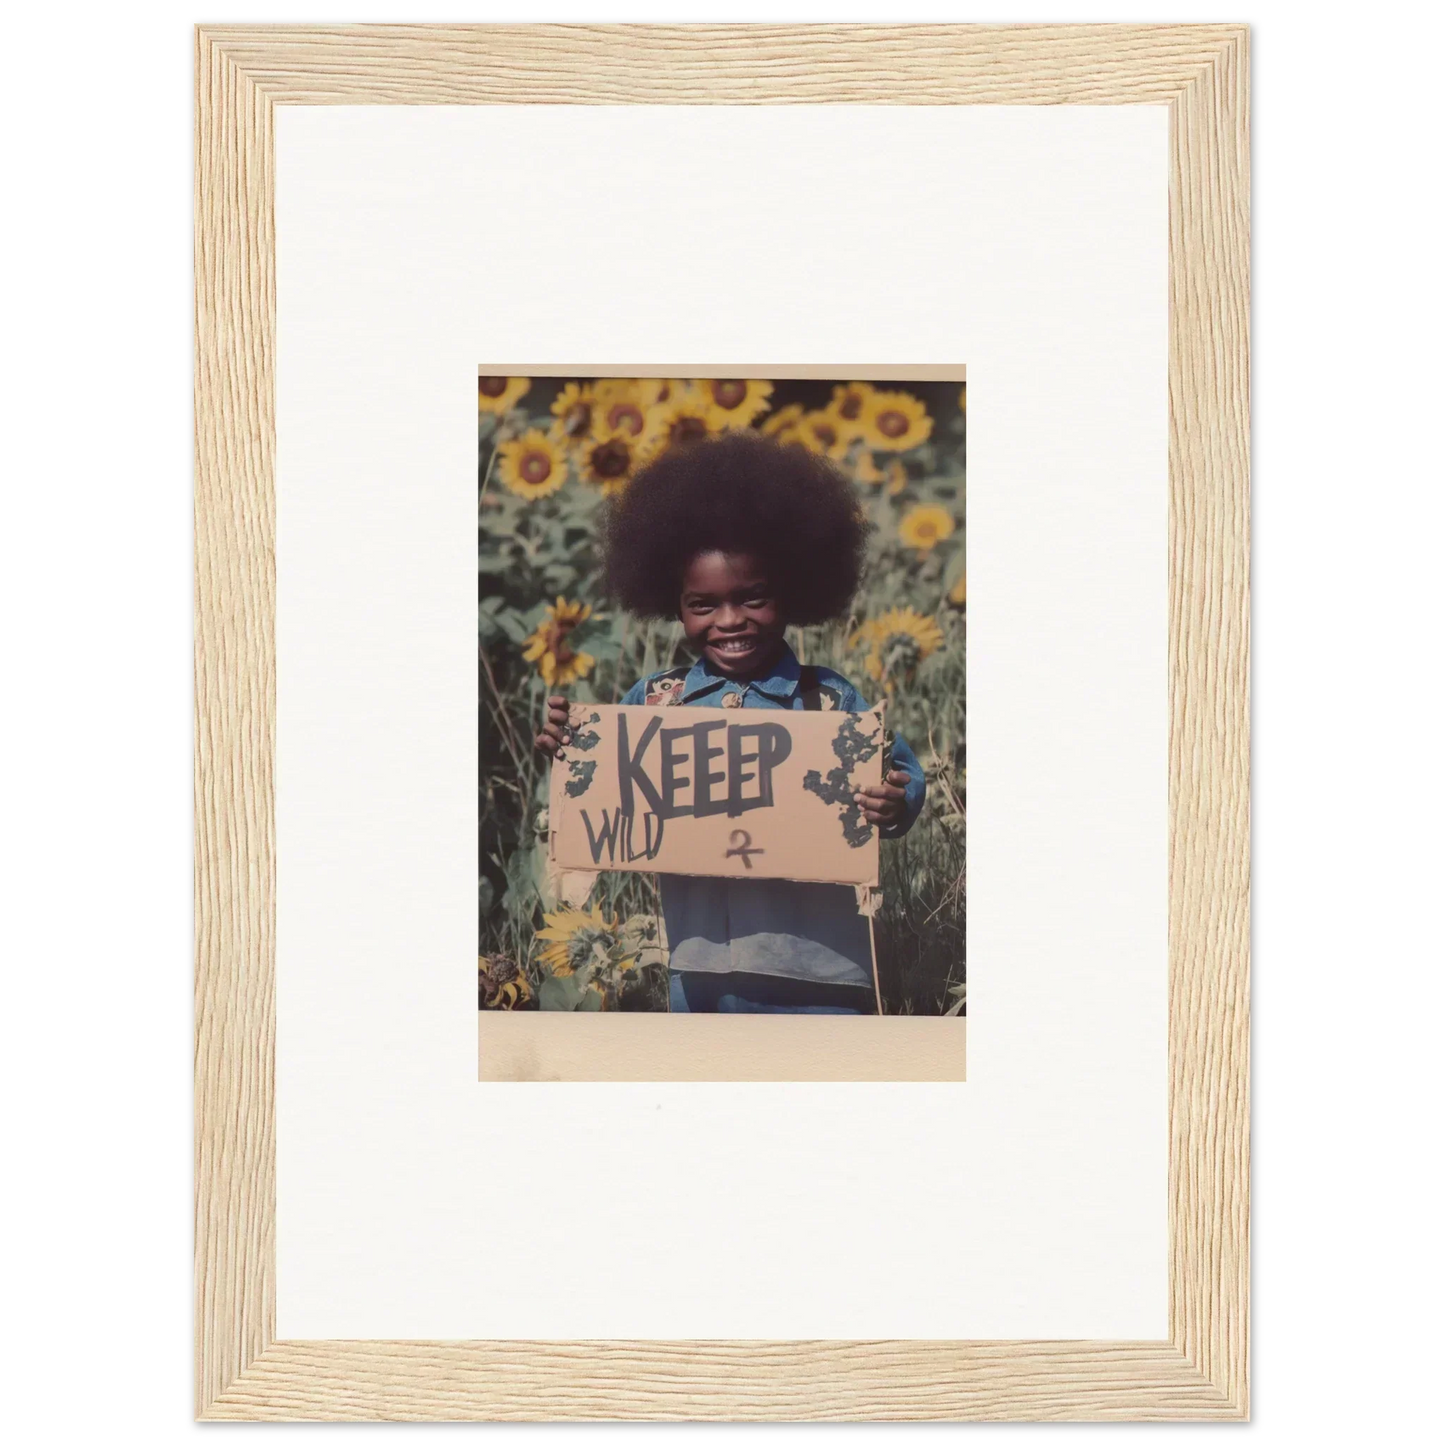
x=554 y=731
x=883 y=806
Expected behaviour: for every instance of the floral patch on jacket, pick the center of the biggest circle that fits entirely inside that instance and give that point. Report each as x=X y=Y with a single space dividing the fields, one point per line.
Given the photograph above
x=665 y=690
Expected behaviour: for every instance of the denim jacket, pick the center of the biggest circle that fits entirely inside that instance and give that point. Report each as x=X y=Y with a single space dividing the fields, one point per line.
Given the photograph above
x=810 y=931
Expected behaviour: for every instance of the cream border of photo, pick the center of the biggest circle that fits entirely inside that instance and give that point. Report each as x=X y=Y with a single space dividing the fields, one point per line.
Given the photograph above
x=1045 y=266
x=552 y=1047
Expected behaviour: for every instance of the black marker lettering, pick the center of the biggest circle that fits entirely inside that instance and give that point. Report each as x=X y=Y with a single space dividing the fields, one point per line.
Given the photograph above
x=629 y=766
x=671 y=782
x=606 y=835
x=703 y=802
x=737 y=761
x=775 y=742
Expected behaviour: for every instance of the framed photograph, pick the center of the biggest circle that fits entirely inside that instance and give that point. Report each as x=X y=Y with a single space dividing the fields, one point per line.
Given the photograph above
x=839 y=772
x=691 y=869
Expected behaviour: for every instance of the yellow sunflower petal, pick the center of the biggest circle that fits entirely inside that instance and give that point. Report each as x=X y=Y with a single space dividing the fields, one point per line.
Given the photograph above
x=849 y=407
x=550 y=645
x=924 y=527
x=501 y=393
x=611 y=458
x=687 y=419
x=734 y=404
x=783 y=422
x=532 y=465
x=820 y=432
x=576 y=411
x=895 y=421
x=866 y=470
x=647 y=391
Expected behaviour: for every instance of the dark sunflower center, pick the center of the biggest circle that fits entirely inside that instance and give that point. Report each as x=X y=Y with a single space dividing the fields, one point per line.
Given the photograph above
x=626 y=416
x=491 y=385
x=825 y=434
x=610 y=459
x=892 y=423
x=577 y=419
x=556 y=640
x=536 y=468
x=852 y=405
x=729 y=393
x=688 y=429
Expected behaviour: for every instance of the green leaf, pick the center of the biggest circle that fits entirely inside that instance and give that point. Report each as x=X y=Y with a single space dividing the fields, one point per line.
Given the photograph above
x=513 y=626
x=536 y=870
x=562 y=995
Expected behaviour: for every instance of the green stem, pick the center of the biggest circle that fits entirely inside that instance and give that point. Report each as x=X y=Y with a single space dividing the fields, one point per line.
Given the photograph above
x=487 y=475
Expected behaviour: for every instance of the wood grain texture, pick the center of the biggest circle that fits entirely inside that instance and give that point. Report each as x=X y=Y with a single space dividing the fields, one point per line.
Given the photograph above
x=723 y=64
x=720 y=1380
x=242 y=1370
x=235 y=524
x=1209 y=722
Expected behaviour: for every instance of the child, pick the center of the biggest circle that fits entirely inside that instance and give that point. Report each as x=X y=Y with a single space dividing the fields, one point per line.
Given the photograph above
x=740 y=537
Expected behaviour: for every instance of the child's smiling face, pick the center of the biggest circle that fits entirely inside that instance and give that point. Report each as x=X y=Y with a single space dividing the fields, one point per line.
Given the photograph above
x=730 y=614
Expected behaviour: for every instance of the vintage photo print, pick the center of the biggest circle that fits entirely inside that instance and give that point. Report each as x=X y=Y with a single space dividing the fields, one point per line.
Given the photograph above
x=722 y=694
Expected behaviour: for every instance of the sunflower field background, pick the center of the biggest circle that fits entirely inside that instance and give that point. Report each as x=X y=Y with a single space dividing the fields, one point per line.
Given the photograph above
x=551 y=451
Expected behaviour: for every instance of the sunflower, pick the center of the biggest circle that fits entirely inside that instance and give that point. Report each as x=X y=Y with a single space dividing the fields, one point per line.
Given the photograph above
x=850 y=406
x=687 y=418
x=963 y=397
x=532 y=465
x=576 y=413
x=735 y=404
x=500 y=983
x=783 y=424
x=623 y=404
x=925 y=527
x=820 y=432
x=578 y=937
x=661 y=390
x=894 y=421
x=865 y=469
x=897 y=641
x=958 y=593
x=501 y=393
x=550 y=646
x=897 y=477
x=609 y=459
x=607 y=388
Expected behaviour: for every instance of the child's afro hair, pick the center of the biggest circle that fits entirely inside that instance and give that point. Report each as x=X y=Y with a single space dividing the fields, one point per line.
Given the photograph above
x=741 y=492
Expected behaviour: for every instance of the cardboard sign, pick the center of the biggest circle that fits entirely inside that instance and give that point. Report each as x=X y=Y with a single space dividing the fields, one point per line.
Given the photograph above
x=744 y=793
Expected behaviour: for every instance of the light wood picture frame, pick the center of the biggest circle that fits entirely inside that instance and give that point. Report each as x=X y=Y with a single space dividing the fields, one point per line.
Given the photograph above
x=243 y=1372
